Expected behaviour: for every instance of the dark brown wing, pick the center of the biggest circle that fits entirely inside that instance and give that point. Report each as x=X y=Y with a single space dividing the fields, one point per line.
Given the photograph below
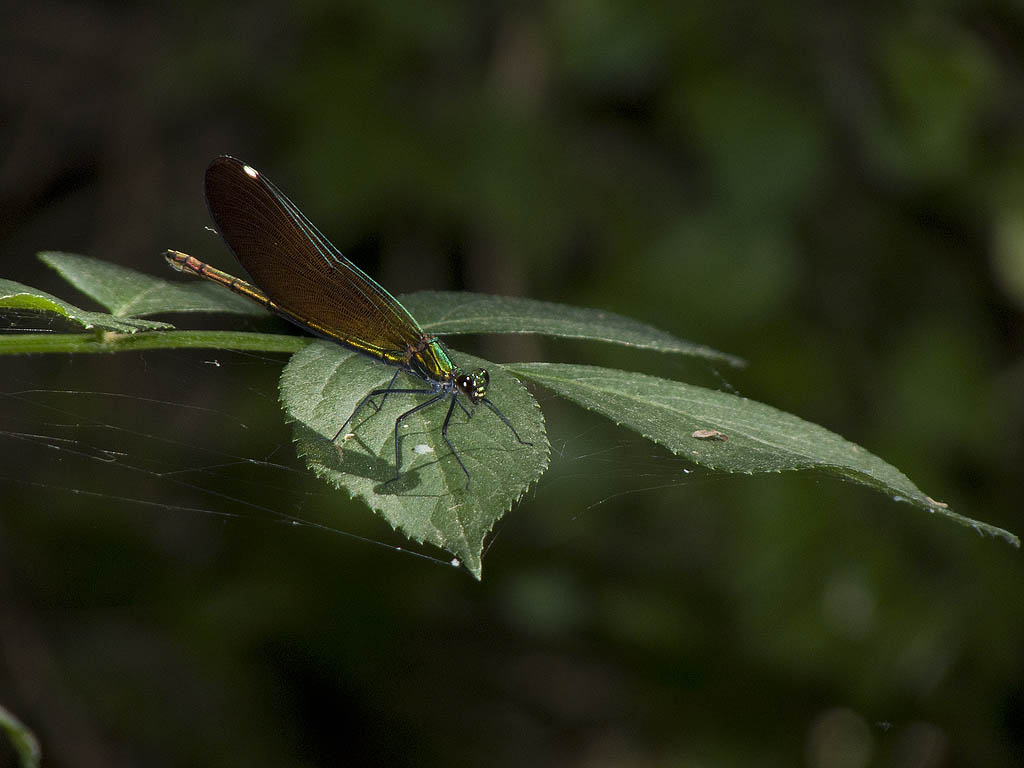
x=298 y=268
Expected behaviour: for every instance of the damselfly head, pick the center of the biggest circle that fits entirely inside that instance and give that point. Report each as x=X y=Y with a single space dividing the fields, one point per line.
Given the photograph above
x=473 y=385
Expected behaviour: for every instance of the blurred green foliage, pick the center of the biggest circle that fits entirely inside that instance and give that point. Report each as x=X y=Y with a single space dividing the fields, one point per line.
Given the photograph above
x=832 y=192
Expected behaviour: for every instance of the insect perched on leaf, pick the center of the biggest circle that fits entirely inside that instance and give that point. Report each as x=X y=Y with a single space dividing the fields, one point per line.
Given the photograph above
x=297 y=273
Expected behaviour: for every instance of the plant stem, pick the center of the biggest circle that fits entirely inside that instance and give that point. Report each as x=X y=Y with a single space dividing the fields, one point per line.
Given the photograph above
x=106 y=341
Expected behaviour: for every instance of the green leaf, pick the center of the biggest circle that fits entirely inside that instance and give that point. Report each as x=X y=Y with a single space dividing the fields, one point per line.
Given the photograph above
x=729 y=433
x=25 y=744
x=127 y=293
x=324 y=382
x=320 y=388
x=17 y=296
x=447 y=313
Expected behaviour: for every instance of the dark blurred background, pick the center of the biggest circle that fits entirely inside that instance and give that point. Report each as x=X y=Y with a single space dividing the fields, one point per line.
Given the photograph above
x=833 y=193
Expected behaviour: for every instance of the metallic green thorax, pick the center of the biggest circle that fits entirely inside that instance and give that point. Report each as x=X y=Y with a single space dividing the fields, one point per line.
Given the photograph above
x=429 y=358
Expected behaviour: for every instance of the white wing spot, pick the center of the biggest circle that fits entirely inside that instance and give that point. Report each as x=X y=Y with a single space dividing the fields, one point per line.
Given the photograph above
x=251 y=172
